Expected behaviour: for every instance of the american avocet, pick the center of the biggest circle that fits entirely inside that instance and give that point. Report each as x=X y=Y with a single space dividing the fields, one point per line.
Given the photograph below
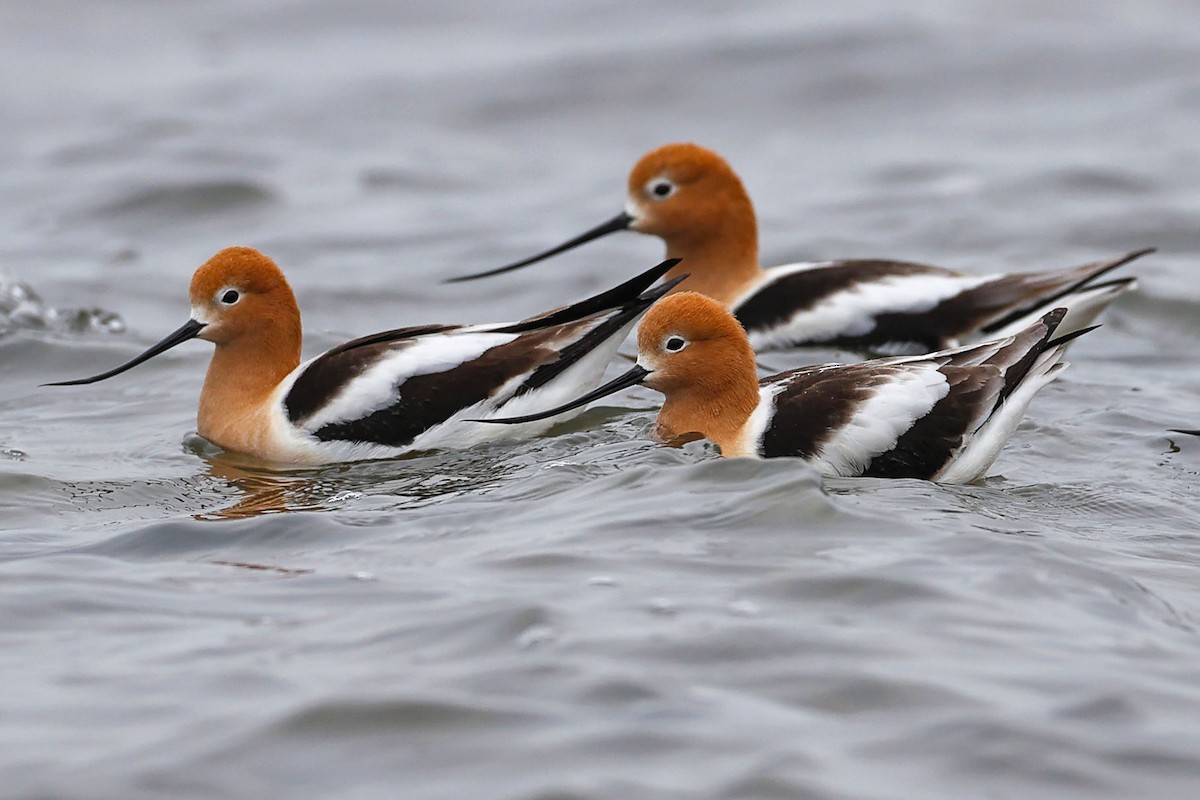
x=691 y=198
x=387 y=393
x=943 y=416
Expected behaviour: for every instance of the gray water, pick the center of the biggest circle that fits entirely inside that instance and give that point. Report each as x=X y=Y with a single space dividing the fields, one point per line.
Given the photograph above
x=588 y=615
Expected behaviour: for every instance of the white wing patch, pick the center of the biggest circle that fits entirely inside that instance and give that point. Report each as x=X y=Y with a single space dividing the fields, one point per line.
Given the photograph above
x=852 y=312
x=772 y=274
x=882 y=418
x=376 y=387
x=759 y=420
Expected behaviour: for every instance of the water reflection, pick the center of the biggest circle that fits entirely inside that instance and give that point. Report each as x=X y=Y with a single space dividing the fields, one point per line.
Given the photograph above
x=263 y=492
x=231 y=486
x=409 y=481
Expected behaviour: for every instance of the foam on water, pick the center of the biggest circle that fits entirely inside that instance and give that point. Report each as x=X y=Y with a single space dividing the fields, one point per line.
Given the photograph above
x=22 y=307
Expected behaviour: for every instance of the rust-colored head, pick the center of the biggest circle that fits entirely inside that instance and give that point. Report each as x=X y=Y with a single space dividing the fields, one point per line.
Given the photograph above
x=685 y=192
x=242 y=303
x=691 y=342
x=240 y=292
x=692 y=350
x=690 y=198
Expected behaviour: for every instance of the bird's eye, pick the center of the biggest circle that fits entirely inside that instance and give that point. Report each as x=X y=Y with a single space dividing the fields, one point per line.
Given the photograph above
x=660 y=189
x=230 y=297
x=674 y=344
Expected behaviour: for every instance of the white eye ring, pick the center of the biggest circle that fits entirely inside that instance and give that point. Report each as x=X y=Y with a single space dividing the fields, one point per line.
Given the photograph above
x=228 y=296
x=659 y=189
x=674 y=343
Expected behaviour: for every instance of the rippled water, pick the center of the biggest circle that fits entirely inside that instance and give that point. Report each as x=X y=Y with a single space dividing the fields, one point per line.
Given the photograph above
x=588 y=615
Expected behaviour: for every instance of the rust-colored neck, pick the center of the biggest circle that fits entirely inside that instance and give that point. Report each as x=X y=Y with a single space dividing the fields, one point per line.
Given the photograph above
x=717 y=407
x=720 y=253
x=243 y=374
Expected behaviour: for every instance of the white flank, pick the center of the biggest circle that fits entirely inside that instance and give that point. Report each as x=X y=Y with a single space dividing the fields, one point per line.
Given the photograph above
x=760 y=419
x=882 y=418
x=852 y=312
x=378 y=386
x=296 y=445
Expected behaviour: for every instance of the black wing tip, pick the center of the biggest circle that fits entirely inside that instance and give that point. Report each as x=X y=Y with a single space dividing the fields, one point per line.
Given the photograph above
x=1055 y=315
x=663 y=288
x=634 y=288
x=1067 y=337
x=508 y=420
x=1108 y=266
x=657 y=271
x=641 y=289
x=1185 y=431
x=1111 y=284
x=1052 y=319
x=1120 y=261
x=631 y=291
x=1089 y=281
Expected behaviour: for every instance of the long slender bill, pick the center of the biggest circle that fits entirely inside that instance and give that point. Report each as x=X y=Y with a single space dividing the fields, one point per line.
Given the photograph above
x=189 y=330
x=620 y=222
x=631 y=378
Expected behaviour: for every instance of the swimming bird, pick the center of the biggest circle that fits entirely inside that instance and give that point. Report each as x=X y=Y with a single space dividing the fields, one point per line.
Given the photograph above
x=691 y=198
x=388 y=393
x=942 y=417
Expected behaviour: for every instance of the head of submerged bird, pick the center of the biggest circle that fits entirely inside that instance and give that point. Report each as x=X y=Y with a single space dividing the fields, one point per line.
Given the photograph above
x=688 y=341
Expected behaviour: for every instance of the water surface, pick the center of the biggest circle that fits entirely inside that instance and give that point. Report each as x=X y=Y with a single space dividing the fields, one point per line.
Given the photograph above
x=588 y=615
